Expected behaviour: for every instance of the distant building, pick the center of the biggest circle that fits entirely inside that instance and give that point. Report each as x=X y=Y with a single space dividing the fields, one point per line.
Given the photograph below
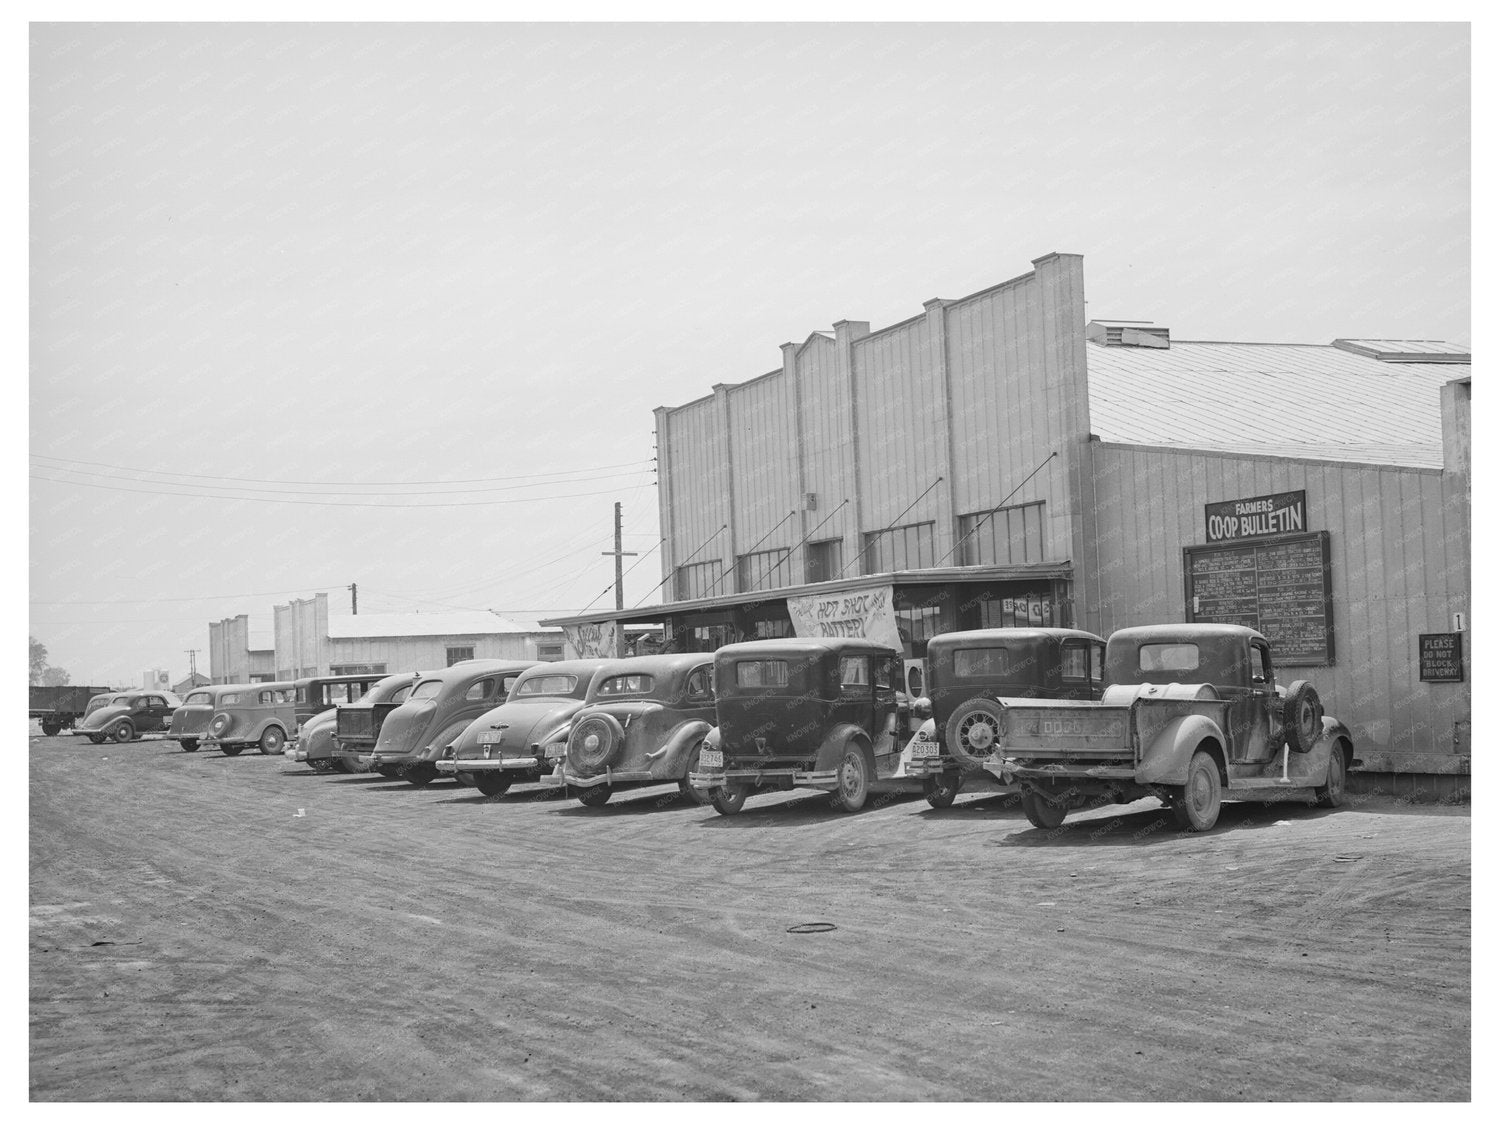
x=196 y=679
x=240 y=652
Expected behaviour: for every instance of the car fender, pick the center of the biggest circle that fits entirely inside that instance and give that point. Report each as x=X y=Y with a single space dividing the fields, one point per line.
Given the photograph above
x=435 y=747
x=1165 y=760
x=673 y=757
x=260 y=728
x=831 y=751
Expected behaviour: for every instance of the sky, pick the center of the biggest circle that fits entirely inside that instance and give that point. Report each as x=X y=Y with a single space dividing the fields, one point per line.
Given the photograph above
x=387 y=304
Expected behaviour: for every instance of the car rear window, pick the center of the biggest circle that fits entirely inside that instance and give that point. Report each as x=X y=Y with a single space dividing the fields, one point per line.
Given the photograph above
x=548 y=685
x=1167 y=657
x=198 y=698
x=402 y=695
x=627 y=685
x=761 y=673
x=982 y=663
x=229 y=699
x=427 y=689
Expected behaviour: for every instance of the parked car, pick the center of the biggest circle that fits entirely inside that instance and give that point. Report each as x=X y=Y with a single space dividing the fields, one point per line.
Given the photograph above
x=357 y=724
x=817 y=713
x=260 y=714
x=414 y=735
x=643 y=722
x=317 y=696
x=968 y=671
x=1193 y=712
x=523 y=738
x=128 y=715
x=190 y=720
x=60 y=708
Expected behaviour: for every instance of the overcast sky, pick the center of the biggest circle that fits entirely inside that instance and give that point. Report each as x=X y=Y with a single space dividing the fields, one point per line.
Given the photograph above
x=435 y=260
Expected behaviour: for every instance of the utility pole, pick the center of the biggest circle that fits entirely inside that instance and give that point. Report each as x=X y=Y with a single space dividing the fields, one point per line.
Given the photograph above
x=192 y=655
x=619 y=554
x=354 y=597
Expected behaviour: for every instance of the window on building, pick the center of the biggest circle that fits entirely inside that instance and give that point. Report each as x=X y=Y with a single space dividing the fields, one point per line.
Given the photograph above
x=1007 y=537
x=357 y=669
x=765 y=569
x=825 y=560
x=899 y=548
x=1025 y=611
x=548 y=651
x=699 y=579
x=773 y=629
x=458 y=655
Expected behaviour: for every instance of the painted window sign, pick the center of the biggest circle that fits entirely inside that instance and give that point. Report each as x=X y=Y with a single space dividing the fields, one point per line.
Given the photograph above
x=1441 y=657
x=1257 y=517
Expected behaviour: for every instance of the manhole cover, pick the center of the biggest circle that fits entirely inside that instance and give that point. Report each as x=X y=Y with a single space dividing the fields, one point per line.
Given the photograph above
x=813 y=927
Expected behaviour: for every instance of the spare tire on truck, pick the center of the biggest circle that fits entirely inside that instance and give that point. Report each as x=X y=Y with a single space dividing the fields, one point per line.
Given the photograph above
x=973 y=730
x=1302 y=716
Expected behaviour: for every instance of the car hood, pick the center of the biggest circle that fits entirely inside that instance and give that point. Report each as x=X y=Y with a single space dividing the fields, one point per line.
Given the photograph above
x=405 y=727
x=525 y=722
x=103 y=717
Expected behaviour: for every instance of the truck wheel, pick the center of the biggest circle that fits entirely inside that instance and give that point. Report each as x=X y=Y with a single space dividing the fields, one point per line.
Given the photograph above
x=1042 y=812
x=421 y=773
x=491 y=784
x=272 y=740
x=1197 y=809
x=595 y=797
x=974 y=730
x=729 y=799
x=51 y=727
x=231 y=750
x=124 y=732
x=189 y=745
x=1302 y=716
x=853 y=779
x=1330 y=794
x=941 y=790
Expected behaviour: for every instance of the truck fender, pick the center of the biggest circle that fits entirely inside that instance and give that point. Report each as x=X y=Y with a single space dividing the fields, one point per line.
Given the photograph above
x=831 y=751
x=1165 y=760
x=1317 y=756
x=673 y=756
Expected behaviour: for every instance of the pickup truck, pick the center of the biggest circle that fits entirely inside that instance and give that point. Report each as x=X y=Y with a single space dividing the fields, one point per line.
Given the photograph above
x=1193 y=714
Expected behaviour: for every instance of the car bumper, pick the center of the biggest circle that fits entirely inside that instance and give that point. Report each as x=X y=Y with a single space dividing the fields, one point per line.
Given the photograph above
x=1009 y=772
x=491 y=765
x=931 y=766
x=825 y=779
x=561 y=777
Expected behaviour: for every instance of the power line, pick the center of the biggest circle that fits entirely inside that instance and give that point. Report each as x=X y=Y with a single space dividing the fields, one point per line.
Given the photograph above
x=210 y=597
x=329 y=503
x=342 y=483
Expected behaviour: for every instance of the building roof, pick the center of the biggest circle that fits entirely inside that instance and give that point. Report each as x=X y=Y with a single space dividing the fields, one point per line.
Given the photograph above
x=366 y=626
x=1317 y=401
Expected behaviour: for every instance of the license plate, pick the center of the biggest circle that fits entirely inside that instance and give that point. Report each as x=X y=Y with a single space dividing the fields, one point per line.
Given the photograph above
x=557 y=749
x=490 y=737
x=711 y=759
x=924 y=749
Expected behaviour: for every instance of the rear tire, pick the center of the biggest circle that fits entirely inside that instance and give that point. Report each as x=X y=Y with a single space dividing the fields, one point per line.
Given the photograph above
x=389 y=772
x=595 y=797
x=272 y=741
x=1197 y=807
x=97 y=739
x=1041 y=812
x=189 y=745
x=124 y=732
x=853 y=779
x=491 y=784
x=421 y=773
x=690 y=794
x=51 y=728
x=729 y=800
x=231 y=750
x=941 y=790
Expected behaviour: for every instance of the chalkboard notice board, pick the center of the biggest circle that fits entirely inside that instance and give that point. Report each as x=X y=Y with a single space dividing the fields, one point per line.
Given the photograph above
x=1281 y=587
x=1441 y=657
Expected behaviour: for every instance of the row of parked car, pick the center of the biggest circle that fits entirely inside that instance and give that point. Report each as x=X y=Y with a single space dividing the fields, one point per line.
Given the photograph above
x=1189 y=713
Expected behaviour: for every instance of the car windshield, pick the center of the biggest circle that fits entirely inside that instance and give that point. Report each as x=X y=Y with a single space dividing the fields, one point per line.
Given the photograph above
x=427 y=689
x=548 y=685
x=1168 y=657
x=627 y=685
x=198 y=698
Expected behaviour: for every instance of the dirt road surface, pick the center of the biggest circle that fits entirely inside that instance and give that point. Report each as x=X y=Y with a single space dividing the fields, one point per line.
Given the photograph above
x=215 y=928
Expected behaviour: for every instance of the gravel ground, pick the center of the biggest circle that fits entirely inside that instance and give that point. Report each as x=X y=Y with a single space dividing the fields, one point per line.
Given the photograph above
x=214 y=928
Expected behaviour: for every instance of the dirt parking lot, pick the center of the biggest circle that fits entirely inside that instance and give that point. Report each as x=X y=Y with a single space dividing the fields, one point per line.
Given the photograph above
x=215 y=928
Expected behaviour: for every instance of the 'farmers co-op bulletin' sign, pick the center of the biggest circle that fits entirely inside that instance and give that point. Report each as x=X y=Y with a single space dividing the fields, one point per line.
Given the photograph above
x=1261 y=568
x=1258 y=517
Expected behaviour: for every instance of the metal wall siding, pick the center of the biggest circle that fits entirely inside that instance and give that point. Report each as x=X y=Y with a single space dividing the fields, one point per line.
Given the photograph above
x=1396 y=554
x=699 y=486
x=765 y=463
x=1005 y=415
x=828 y=455
x=900 y=412
x=427 y=653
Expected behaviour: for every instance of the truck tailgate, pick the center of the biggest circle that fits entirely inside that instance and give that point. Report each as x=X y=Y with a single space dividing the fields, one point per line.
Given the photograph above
x=1056 y=728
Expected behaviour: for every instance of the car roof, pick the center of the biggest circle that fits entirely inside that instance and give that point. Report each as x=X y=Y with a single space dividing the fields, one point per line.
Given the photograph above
x=666 y=663
x=476 y=669
x=978 y=634
x=358 y=677
x=568 y=667
x=1183 y=631
x=804 y=645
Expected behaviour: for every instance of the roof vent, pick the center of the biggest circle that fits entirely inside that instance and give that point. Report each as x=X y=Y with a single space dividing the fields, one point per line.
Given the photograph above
x=1128 y=333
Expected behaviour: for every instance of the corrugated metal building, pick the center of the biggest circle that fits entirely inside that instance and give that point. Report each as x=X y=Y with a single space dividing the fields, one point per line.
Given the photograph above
x=999 y=458
x=240 y=652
